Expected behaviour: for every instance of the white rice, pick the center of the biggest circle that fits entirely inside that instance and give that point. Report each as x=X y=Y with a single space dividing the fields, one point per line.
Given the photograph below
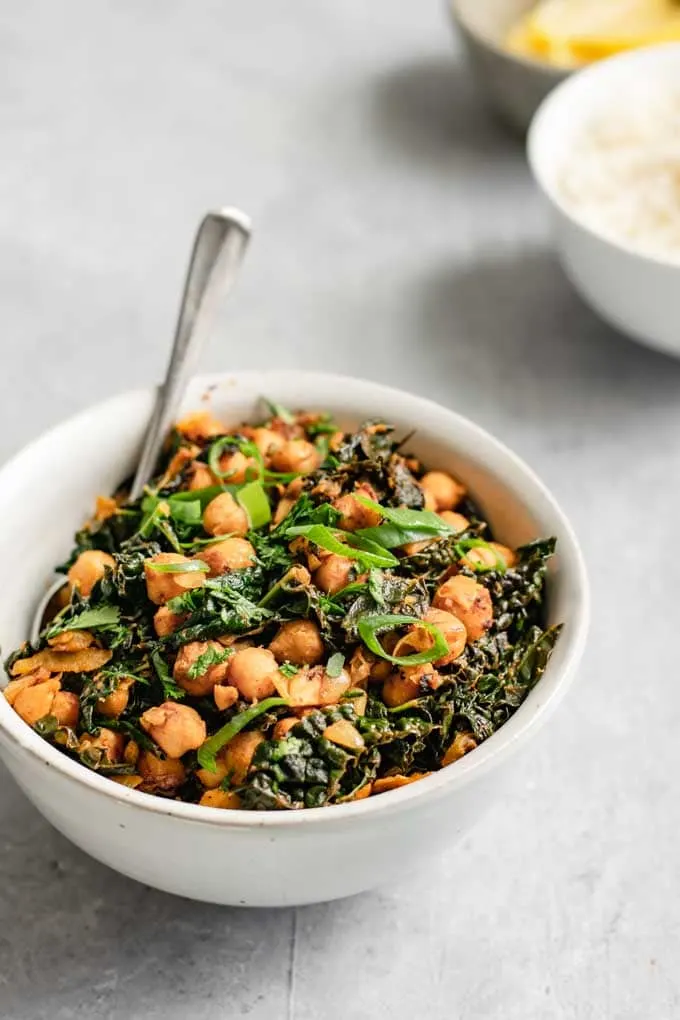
x=622 y=176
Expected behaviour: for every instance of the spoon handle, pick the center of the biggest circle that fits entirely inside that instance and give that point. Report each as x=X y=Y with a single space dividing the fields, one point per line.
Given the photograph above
x=220 y=245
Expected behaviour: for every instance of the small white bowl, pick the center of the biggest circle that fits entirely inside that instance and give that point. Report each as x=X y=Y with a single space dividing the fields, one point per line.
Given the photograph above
x=513 y=85
x=637 y=293
x=268 y=858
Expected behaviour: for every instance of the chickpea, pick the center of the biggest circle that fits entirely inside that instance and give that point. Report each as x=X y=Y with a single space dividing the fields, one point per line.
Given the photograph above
x=187 y=657
x=453 y=630
x=252 y=671
x=288 y=499
x=160 y=775
x=35 y=700
x=110 y=744
x=236 y=467
x=89 y=568
x=225 y=696
x=161 y=586
x=360 y=666
x=268 y=442
x=456 y=521
x=15 y=687
x=239 y=753
x=299 y=576
x=165 y=621
x=284 y=726
x=430 y=501
x=508 y=556
x=284 y=507
x=462 y=744
x=209 y=779
x=399 y=688
x=409 y=683
x=444 y=490
x=312 y=685
x=223 y=516
x=298 y=642
x=354 y=514
x=117 y=701
x=175 y=728
x=469 y=601
x=200 y=476
x=131 y=752
x=226 y=799
x=413 y=548
x=301 y=547
x=200 y=425
x=333 y=574
x=229 y=554
x=296 y=455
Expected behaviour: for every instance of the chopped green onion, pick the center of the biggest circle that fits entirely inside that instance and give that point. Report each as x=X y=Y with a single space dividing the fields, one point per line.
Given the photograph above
x=186 y=511
x=335 y=665
x=478 y=543
x=186 y=567
x=402 y=525
x=253 y=499
x=371 y=625
x=202 y=496
x=215 y=452
x=209 y=749
x=366 y=553
x=325 y=426
x=279 y=411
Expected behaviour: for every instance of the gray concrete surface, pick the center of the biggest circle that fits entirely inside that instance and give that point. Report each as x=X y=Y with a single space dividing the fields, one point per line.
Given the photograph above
x=398 y=237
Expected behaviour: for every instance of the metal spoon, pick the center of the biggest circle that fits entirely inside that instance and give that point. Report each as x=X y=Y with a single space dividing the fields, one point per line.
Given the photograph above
x=219 y=247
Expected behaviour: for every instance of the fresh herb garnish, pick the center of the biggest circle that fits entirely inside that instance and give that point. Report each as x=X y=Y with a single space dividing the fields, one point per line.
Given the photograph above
x=185 y=567
x=102 y=617
x=211 y=657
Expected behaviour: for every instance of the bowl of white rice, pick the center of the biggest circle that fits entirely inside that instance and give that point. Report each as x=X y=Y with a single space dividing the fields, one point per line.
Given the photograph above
x=604 y=148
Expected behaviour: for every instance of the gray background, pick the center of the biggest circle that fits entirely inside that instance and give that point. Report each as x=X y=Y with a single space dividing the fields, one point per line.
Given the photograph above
x=398 y=237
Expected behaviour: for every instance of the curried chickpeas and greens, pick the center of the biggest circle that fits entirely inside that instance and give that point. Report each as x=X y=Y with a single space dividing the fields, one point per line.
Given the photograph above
x=291 y=616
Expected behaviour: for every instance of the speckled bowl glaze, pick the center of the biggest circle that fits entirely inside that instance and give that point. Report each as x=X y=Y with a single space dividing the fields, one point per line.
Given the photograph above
x=513 y=86
x=269 y=858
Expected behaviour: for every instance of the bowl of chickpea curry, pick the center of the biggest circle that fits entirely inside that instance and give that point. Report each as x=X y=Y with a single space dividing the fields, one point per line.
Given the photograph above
x=300 y=613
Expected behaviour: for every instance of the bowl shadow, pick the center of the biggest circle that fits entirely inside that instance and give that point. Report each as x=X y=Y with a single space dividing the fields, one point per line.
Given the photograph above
x=429 y=110
x=509 y=324
x=96 y=938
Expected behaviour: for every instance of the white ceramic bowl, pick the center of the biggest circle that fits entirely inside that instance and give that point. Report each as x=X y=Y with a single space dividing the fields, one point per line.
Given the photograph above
x=513 y=85
x=638 y=294
x=264 y=858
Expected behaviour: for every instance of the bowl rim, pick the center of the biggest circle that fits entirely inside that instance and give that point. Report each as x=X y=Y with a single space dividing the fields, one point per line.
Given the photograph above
x=557 y=71
x=488 y=755
x=550 y=107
